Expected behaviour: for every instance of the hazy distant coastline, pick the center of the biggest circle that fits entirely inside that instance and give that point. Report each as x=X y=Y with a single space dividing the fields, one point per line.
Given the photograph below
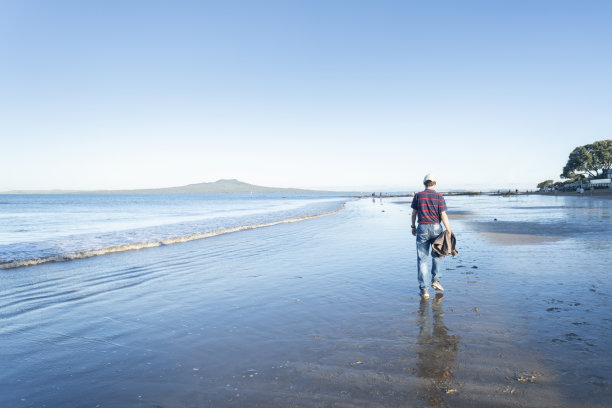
x=217 y=187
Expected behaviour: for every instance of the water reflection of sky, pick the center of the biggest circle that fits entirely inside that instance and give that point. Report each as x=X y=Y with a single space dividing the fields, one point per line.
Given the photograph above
x=560 y=216
x=551 y=297
x=528 y=207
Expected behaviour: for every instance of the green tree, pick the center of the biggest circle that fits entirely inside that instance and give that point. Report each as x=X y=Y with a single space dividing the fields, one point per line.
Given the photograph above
x=561 y=184
x=592 y=160
x=545 y=184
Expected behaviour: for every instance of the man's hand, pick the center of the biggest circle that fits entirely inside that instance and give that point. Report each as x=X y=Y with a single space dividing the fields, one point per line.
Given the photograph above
x=414 y=231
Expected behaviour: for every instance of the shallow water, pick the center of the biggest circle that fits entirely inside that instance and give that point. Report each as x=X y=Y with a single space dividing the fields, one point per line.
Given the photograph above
x=322 y=312
x=40 y=228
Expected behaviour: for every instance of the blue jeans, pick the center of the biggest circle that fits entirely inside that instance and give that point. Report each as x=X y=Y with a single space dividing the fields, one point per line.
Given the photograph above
x=426 y=235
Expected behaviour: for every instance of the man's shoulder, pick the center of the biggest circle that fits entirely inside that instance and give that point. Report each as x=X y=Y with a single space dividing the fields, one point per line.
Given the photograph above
x=430 y=193
x=420 y=194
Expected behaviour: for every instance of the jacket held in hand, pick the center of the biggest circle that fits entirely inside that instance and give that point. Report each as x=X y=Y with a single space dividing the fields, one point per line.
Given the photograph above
x=445 y=244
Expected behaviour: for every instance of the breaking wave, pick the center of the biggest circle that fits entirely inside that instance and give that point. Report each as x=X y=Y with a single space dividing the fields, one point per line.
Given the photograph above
x=61 y=256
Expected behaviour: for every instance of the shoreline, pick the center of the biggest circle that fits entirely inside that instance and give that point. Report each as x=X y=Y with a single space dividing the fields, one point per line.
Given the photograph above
x=153 y=244
x=599 y=193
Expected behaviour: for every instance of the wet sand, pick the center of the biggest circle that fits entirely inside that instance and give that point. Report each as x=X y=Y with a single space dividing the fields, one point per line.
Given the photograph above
x=320 y=313
x=519 y=239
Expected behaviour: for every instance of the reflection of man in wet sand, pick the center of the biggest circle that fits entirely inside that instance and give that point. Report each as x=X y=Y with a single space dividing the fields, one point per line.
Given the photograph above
x=437 y=352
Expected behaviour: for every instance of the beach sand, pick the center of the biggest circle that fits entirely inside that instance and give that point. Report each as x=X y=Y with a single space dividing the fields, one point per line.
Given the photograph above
x=319 y=313
x=518 y=239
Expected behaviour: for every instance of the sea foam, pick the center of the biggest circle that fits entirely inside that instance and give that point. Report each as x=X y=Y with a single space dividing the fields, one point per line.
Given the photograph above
x=242 y=215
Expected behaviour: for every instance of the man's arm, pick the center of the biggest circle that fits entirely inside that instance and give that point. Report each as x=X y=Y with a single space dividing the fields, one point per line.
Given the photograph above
x=445 y=221
x=413 y=225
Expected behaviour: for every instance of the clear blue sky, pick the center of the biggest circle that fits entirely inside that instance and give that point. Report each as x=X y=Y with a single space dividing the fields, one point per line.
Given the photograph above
x=313 y=94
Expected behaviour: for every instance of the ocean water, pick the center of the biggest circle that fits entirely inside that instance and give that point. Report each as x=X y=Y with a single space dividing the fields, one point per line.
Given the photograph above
x=37 y=229
x=326 y=312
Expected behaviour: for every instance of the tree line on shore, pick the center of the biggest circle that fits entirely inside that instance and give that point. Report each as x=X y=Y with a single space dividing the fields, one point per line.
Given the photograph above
x=588 y=162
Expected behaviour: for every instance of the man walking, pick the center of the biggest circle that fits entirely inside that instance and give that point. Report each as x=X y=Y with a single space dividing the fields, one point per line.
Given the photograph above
x=431 y=209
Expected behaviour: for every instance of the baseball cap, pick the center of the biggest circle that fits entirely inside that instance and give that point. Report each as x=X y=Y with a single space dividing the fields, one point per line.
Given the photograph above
x=429 y=177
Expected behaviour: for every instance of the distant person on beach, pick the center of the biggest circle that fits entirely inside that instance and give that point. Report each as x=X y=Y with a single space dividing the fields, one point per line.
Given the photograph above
x=430 y=207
